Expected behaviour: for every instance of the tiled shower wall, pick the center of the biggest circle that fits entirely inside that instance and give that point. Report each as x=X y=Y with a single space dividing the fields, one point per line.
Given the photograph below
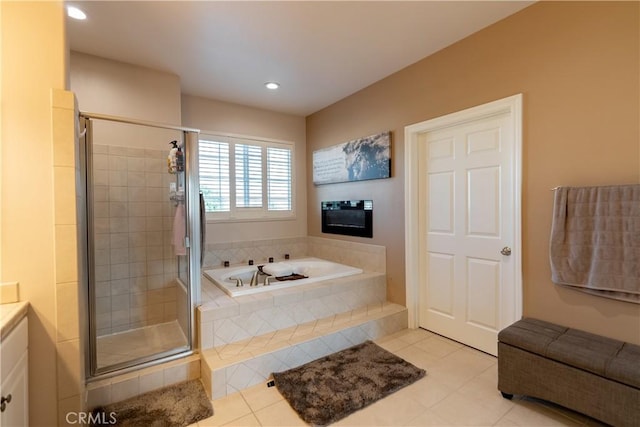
x=135 y=265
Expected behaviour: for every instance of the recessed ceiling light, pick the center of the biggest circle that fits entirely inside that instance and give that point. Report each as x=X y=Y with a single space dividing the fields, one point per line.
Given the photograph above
x=272 y=85
x=75 y=13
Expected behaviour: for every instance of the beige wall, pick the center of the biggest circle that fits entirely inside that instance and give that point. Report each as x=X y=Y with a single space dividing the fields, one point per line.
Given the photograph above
x=38 y=229
x=577 y=65
x=211 y=116
x=115 y=88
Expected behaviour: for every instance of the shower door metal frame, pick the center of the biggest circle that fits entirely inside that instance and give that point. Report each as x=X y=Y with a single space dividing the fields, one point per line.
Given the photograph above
x=193 y=228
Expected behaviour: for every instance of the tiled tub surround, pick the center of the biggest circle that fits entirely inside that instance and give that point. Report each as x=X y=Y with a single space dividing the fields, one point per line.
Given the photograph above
x=365 y=256
x=134 y=261
x=362 y=255
x=244 y=339
x=225 y=320
x=235 y=367
x=259 y=251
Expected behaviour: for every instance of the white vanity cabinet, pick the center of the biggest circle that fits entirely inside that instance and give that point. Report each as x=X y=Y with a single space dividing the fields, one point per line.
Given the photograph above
x=14 y=377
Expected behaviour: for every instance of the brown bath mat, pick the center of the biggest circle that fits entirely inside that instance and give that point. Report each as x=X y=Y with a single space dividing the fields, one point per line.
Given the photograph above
x=174 y=406
x=328 y=389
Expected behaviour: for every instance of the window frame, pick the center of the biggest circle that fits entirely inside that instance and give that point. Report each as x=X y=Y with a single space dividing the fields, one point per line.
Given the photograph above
x=252 y=214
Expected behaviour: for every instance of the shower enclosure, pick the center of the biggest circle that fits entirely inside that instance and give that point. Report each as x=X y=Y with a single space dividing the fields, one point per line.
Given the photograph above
x=142 y=263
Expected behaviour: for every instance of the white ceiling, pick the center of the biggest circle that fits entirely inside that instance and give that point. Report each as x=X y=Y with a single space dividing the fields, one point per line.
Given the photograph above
x=319 y=51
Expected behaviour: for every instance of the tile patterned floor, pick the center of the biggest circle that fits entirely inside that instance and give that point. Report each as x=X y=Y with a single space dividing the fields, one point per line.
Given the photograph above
x=139 y=342
x=459 y=390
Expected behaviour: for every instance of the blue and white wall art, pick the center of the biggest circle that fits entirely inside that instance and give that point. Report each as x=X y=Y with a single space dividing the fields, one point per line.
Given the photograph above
x=357 y=160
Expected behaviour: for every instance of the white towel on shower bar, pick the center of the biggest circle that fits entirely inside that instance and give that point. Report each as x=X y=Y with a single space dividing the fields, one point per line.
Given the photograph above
x=179 y=231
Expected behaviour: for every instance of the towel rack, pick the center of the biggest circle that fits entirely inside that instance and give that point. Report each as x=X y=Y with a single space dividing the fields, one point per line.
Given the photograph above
x=177 y=198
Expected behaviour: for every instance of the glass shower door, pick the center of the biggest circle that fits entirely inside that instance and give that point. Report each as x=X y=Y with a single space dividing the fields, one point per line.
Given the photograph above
x=140 y=308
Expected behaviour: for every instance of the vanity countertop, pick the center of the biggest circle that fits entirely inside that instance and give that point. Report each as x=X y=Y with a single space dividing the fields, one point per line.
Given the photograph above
x=10 y=315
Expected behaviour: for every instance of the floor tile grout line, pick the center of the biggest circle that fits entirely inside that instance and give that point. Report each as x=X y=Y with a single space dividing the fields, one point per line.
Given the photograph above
x=551 y=412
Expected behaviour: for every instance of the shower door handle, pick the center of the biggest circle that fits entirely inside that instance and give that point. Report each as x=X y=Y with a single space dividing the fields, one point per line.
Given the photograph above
x=203 y=228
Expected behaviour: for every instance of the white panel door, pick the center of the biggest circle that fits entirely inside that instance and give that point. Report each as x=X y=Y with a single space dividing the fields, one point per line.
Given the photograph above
x=466 y=228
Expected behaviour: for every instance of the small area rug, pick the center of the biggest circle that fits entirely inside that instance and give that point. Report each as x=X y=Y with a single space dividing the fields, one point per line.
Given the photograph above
x=330 y=388
x=174 y=406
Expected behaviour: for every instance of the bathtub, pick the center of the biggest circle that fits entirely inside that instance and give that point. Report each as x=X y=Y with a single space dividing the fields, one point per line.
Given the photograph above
x=315 y=269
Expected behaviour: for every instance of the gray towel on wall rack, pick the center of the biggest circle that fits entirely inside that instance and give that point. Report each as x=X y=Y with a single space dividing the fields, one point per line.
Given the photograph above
x=595 y=240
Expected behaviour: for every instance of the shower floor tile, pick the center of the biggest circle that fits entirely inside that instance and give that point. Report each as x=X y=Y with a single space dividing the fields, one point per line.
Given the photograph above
x=133 y=344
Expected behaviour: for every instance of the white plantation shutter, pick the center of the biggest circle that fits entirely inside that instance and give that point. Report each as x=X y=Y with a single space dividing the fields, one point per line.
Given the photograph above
x=279 y=178
x=246 y=178
x=214 y=175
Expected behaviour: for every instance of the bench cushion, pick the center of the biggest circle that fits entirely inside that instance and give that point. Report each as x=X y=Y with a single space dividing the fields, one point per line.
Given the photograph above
x=603 y=356
x=531 y=334
x=584 y=350
x=625 y=367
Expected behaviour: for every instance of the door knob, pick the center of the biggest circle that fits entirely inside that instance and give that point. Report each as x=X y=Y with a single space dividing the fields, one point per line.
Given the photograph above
x=4 y=401
x=506 y=251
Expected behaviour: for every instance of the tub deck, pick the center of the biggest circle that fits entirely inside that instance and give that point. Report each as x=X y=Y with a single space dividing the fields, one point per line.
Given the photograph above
x=224 y=319
x=244 y=339
x=310 y=269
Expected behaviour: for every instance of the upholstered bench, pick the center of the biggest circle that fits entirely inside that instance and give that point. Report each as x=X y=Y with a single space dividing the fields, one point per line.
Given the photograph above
x=591 y=374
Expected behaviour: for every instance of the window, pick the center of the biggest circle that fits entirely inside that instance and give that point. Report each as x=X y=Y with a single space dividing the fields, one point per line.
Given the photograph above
x=214 y=175
x=279 y=178
x=246 y=178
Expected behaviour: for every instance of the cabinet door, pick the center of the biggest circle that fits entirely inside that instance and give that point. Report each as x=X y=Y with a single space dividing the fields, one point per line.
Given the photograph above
x=16 y=412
